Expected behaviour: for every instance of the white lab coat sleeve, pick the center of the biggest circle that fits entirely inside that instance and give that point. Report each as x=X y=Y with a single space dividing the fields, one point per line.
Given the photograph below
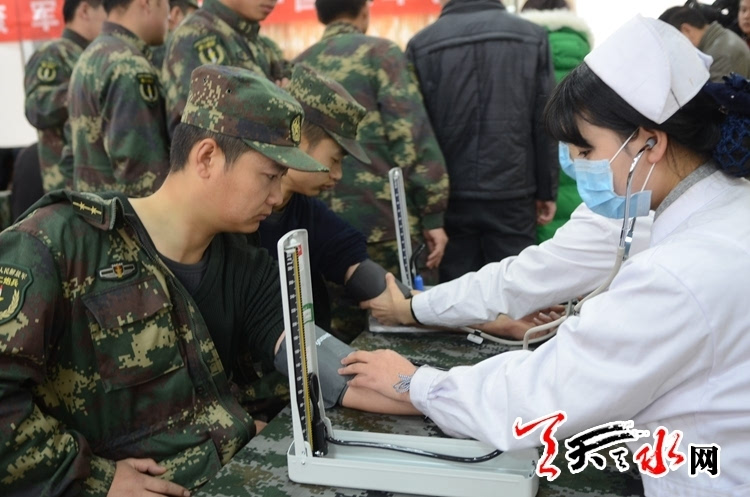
x=571 y=264
x=627 y=350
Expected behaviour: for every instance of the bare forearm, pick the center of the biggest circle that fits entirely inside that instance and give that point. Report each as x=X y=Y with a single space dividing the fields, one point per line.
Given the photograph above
x=365 y=399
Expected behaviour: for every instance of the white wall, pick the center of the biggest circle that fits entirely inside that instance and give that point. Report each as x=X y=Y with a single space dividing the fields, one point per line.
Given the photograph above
x=605 y=16
x=15 y=130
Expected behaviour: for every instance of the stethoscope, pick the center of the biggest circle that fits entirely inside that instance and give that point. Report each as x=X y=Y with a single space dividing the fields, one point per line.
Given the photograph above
x=572 y=308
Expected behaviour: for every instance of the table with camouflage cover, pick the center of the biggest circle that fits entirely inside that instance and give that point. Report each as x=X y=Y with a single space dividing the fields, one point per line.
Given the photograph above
x=260 y=469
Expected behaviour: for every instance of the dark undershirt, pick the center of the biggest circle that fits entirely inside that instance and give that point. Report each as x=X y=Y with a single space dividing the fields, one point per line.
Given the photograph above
x=236 y=289
x=190 y=275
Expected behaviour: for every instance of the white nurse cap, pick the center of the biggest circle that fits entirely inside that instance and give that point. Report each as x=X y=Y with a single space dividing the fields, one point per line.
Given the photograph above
x=652 y=66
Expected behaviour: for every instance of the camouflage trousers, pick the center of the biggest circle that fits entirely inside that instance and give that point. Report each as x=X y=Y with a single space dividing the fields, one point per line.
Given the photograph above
x=260 y=389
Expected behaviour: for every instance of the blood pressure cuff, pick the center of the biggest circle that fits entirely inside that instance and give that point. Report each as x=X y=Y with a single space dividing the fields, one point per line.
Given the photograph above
x=368 y=281
x=330 y=352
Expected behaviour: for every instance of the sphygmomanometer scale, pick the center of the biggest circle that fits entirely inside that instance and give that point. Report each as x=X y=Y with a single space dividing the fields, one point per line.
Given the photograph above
x=401 y=218
x=311 y=460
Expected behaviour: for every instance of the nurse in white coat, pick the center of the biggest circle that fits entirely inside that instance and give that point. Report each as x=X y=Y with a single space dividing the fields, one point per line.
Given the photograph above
x=669 y=343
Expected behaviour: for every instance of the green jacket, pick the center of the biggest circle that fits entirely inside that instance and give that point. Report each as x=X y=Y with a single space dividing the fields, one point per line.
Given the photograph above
x=103 y=356
x=570 y=40
x=215 y=34
x=47 y=76
x=396 y=132
x=117 y=119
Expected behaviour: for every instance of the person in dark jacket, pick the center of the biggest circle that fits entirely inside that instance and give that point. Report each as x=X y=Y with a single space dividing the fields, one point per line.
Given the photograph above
x=485 y=75
x=570 y=40
x=729 y=52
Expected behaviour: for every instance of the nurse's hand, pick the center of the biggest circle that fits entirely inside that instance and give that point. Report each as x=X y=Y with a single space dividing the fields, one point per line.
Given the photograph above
x=383 y=371
x=390 y=307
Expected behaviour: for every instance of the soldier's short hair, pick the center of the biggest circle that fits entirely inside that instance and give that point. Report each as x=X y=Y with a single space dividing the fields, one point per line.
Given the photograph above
x=331 y=10
x=186 y=136
x=314 y=134
x=110 y=5
x=70 y=7
x=183 y=5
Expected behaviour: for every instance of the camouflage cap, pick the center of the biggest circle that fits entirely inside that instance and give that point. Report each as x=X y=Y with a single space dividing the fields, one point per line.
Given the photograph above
x=239 y=103
x=330 y=106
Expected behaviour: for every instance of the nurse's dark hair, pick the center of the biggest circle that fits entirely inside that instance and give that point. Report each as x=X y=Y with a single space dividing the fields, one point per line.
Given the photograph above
x=582 y=94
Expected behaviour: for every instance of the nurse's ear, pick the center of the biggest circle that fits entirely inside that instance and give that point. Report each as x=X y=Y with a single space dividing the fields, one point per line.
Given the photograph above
x=658 y=141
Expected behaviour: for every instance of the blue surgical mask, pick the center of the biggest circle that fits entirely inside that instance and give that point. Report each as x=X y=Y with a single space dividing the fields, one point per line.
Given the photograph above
x=595 y=184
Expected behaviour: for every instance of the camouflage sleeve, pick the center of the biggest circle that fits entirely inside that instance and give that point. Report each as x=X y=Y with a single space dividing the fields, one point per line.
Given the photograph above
x=65 y=164
x=133 y=123
x=46 y=85
x=279 y=66
x=411 y=141
x=547 y=165
x=179 y=61
x=38 y=455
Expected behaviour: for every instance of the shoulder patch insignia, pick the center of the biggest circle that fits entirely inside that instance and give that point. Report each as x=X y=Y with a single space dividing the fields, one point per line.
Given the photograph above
x=118 y=271
x=147 y=86
x=88 y=209
x=14 y=280
x=47 y=71
x=210 y=50
x=295 y=128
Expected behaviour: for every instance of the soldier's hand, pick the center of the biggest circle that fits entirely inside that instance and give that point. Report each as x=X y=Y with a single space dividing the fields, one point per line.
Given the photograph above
x=506 y=327
x=137 y=478
x=390 y=307
x=436 y=241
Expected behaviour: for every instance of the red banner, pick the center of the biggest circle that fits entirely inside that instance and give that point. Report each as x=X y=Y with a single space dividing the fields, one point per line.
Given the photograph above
x=30 y=19
x=42 y=19
x=304 y=10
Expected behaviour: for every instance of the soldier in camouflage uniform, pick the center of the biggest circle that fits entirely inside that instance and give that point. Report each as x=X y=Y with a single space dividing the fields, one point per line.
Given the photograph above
x=116 y=106
x=178 y=11
x=46 y=80
x=337 y=249
x=395 y=133
x=221 y=32
x=120 y=318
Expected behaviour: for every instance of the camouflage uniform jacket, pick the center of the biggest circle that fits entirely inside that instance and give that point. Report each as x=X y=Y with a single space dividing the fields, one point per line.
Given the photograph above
x=47 y=76
x=117 y=119
x=103 y=356
x=215 y=34
x=395 y=132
